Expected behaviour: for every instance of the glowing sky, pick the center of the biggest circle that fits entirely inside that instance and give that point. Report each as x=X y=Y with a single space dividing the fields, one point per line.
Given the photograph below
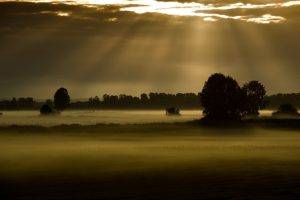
x=121 y=46
x=206 y=11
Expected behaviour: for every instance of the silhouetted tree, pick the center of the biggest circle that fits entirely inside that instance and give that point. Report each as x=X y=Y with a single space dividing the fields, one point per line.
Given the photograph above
x=255 y=93
x=222 y=98
x=61 y=99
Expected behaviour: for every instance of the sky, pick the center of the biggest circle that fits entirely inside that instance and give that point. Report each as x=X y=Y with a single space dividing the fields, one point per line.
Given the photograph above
x=93 y=47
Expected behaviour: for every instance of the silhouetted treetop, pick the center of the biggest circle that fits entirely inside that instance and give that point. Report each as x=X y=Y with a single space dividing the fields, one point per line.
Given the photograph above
x=61 y=99
x=255 y=97
x=222 y=98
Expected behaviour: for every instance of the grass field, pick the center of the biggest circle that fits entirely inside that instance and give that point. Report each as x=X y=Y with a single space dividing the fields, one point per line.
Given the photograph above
x=155 y=161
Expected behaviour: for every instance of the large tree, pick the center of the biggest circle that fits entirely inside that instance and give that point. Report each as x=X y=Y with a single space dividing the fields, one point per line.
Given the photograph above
x=255 y=94
x=222 y=98
x=61 y=99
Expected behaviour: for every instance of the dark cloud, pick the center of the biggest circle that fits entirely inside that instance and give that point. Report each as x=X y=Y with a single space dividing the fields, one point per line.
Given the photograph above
x=101 y=49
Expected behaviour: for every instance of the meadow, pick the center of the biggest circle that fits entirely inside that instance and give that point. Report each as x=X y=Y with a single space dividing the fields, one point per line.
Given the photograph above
x=90 y=117
x=149 y=161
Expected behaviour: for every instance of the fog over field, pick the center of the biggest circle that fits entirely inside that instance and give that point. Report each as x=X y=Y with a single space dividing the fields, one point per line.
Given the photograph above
x=94 y=99
x=90 y=117
x=154 y=161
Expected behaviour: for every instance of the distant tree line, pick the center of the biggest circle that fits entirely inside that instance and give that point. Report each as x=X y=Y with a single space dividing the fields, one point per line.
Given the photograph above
x=20 y=104
x=221 y=99
x=278 y=99
x=144 y=101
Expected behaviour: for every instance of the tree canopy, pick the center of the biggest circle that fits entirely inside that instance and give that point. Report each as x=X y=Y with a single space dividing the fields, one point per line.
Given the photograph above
x=222 y=98
x=61 y=99
x=255 y=97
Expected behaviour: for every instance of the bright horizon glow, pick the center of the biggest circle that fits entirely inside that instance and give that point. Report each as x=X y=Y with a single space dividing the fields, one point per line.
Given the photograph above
x=191 y=9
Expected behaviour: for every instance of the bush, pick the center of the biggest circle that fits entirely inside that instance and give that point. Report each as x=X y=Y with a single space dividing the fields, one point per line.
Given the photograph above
x=46 y=110
x=172 y=111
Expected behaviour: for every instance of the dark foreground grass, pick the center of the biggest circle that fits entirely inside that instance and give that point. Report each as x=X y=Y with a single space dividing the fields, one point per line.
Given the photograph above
x=254 y=179
x=153 y=161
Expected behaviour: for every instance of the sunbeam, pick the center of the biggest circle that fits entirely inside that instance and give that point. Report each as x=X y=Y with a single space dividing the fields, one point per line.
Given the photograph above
x=140 y=46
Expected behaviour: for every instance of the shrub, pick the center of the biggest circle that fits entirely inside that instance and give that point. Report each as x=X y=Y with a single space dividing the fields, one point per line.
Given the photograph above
x=172 y=111
x=46 y=110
